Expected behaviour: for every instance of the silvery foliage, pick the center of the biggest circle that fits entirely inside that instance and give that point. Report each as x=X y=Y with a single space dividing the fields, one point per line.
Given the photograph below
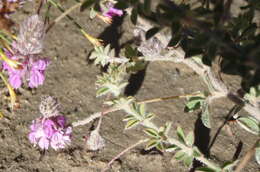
x=254 y=95
x=105 y=55
x=249 y=123
x=112 y=81
x=200 y=102
x=120 y=102
x=31 y=34
x=137 y=114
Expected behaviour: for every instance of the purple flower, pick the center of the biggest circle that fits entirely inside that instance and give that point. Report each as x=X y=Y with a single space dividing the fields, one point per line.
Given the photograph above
x=25 y=50
x=110 y=11
x=33 y=68
x=50 y=132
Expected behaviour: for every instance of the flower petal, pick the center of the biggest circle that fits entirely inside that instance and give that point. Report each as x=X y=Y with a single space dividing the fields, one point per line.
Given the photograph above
x=36 y=78
x=15 y=80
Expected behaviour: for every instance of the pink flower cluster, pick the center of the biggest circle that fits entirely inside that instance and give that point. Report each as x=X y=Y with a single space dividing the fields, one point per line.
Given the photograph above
x=26 y=50
x=32 y=70
x=51 y=129
x=50 y=132
x=110 y=11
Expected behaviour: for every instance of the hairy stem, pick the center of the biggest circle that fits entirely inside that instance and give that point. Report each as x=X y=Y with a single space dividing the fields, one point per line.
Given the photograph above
x=113 y=109
x=169 y=98
x=123 y=152
x=94 y=116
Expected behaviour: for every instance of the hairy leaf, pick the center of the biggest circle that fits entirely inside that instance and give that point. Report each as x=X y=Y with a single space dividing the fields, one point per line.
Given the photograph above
x=205 y=116
x=190 y=139
x=250 y=124
x=180 y=134
x=152 y=132
x=131 y=123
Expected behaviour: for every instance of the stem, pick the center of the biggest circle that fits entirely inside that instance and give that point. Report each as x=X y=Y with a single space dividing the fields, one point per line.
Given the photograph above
x=168 y=98
x=94 y=41
x=122 y=153
x=59 y=7
x=113 y=109
x=39 y=7
x=247 y=157
x=94 y=116
x=200 y=68
x=201 y=158
x=64 y=14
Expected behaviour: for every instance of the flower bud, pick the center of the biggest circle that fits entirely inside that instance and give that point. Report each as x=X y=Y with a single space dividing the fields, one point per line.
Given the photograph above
x=95 y=141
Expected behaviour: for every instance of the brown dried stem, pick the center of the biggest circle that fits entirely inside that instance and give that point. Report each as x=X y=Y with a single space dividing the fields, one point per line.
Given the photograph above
x=247 y=157
x=122 y=153
x=64 y=14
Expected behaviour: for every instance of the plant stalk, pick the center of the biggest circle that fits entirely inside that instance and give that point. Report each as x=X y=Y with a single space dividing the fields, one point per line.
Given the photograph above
x=122 y=153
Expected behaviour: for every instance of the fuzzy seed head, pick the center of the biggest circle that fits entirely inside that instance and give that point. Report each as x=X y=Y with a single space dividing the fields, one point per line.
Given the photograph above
x=49 y=107
x=31 y=35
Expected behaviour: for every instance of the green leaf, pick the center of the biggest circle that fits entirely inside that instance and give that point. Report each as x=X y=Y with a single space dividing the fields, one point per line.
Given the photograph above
x=149 y=116
x=102 y=91
x=257 y=155
x=160 y=147
x=92 y=13
x=167 y=128
x=131 y=123
x=179 y=155
x=151 y=144
x=130 y=52
x=142 y=109
x=190 y=139
x=205 y=116
x=151 y=32
x=250 y=124
x=196 y=152
x=205 y=169
x=194 y=103
x=137 y=66
x=134 y=16
x=180 y=134
x=188 y=160
x=171 y=148
x=128 y=117
x=152 y=132
x=86 y=4
x=252 y=91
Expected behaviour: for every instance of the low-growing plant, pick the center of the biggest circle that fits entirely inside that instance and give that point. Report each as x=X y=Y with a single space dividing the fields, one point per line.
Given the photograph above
x=204 y=36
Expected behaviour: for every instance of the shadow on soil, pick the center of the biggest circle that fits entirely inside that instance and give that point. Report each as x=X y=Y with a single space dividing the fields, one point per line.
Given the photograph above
x=202 y=140
x=202 y=137
x=135 y=82
x=112 y=34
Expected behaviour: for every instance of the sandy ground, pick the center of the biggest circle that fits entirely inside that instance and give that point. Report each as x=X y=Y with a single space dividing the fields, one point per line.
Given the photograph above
x=71 y=79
